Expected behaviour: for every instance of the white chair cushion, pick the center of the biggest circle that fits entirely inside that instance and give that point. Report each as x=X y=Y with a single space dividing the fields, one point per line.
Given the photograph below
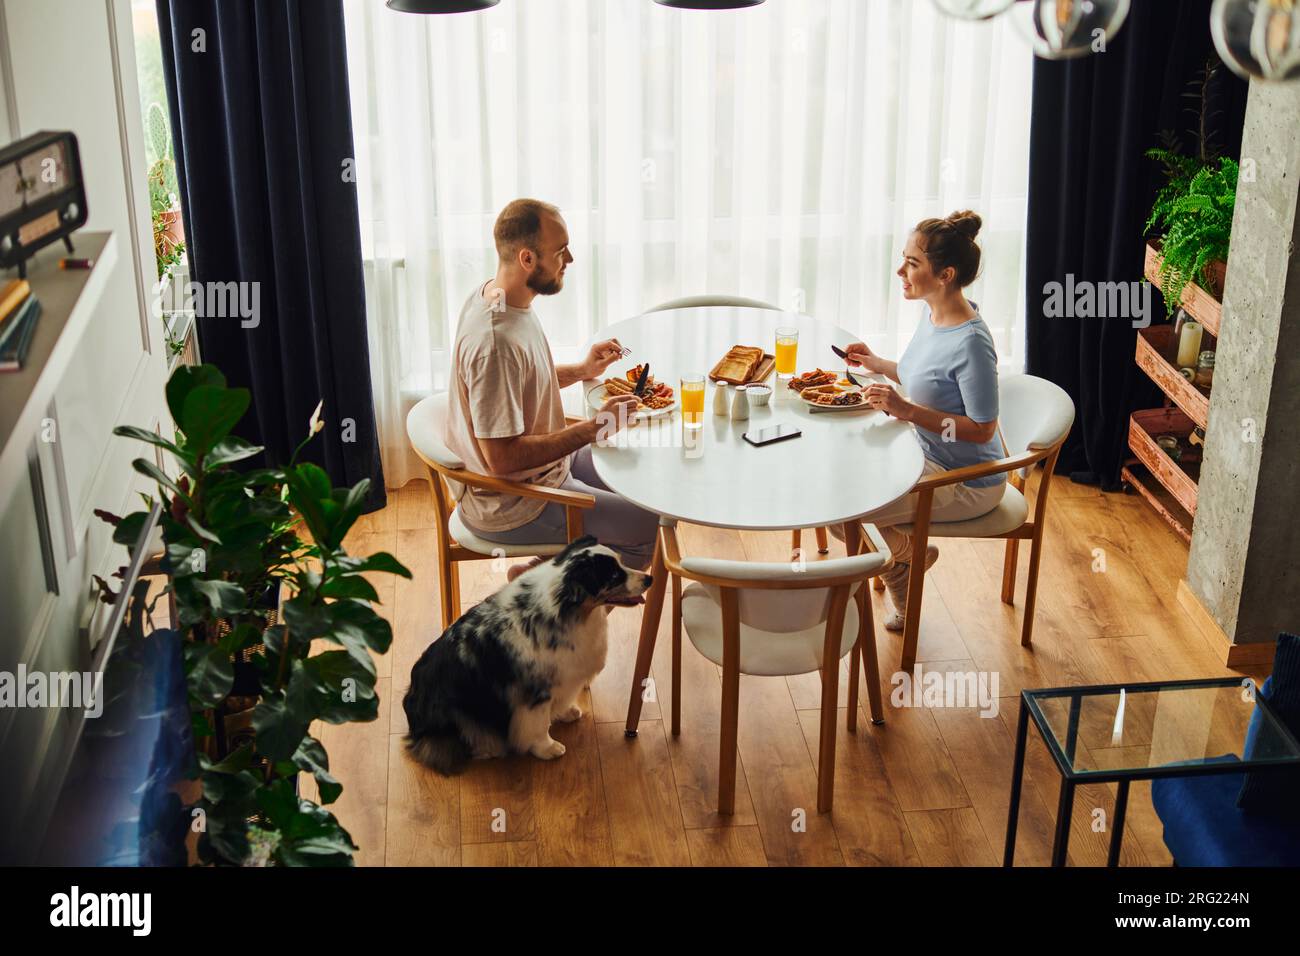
x=1033 y=412
x=489 y=549
x=426 y=423
x=762 y=653
x=1012 y=512
x=784 y=610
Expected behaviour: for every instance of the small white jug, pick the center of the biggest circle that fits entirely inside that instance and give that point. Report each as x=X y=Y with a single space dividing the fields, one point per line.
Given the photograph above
x=720 y=399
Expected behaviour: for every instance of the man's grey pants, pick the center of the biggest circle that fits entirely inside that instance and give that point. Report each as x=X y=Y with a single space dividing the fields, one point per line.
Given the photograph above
x=615 y=522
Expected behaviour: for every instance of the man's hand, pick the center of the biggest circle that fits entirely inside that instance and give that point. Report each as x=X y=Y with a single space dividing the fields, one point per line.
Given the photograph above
x=602 y=356
x=614 y=415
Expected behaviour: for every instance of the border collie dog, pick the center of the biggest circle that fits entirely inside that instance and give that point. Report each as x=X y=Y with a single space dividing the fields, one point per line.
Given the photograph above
x=496 y=679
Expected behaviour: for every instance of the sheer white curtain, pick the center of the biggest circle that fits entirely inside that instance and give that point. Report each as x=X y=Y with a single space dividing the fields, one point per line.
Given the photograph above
x=781 y=152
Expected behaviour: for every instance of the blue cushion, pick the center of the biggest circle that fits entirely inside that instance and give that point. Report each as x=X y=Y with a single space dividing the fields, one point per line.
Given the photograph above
x=1203 y=826
x=1275 y=792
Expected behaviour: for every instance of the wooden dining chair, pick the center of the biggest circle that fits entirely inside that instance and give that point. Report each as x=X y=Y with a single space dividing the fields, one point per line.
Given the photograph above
x=1035 y=417
x=448 y=481
x=769 y=619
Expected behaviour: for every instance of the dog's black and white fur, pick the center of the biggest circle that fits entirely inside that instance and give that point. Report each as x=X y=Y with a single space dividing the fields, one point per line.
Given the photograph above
x=496 y=679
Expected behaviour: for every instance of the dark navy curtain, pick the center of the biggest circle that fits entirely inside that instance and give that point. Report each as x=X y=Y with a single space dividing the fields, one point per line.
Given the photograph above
x=263 y=140
x=1090 y=192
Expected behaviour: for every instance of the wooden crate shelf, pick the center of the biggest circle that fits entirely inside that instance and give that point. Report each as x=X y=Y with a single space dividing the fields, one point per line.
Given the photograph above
x=1197 y=302
x=1178 y=477
x=1155 y=352
x=1137 y=477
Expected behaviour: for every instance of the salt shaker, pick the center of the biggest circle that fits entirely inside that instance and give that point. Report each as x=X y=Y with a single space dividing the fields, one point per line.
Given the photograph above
x=740 y=405
x=720 y=399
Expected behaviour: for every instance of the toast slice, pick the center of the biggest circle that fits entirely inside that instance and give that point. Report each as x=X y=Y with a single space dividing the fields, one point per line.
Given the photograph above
x=738 y=364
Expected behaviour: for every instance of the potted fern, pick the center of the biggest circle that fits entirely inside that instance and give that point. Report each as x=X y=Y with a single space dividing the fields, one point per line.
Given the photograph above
x=1193 y=210
x=1193 y=214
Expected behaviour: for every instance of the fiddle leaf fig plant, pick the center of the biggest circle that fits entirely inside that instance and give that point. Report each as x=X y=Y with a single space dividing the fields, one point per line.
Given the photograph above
x=231 y=536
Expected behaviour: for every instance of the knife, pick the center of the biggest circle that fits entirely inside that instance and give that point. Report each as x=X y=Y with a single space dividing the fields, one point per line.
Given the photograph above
x=849 y=375
x=641 y=380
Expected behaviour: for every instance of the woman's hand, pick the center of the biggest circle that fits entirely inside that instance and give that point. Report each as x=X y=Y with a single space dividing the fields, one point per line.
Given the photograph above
x=885 y=398
x=859 y=354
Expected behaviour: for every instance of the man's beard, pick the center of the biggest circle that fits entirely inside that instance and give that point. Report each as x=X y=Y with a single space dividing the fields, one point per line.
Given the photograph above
x=545 y=285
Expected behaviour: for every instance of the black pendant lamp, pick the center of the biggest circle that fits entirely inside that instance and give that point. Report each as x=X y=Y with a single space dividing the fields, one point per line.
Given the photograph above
x=440 y=6
x=708 y=4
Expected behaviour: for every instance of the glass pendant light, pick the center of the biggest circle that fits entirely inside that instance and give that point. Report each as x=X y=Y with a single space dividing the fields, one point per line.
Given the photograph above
x=440 y=6
x=1258 y=39
x=973 y=9
x=1061 y=29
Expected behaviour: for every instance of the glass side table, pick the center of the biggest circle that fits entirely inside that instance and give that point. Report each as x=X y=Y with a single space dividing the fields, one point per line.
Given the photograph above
x=1118 y=733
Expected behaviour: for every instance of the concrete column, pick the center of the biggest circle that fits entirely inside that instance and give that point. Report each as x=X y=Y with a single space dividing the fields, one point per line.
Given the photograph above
x=1244 y=565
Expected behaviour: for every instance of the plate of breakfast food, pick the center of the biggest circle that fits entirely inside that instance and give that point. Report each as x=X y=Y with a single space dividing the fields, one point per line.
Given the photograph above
x=827 y=391
x=657 y=400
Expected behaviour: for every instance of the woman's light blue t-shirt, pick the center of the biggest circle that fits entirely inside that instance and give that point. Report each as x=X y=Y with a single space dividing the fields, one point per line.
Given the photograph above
x=954 y=370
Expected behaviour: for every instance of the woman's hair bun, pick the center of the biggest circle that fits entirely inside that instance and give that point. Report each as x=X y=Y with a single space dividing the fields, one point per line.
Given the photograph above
x=967 y=223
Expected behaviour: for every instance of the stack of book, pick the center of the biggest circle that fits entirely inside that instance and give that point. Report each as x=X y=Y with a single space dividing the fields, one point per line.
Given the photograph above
x=19 y=311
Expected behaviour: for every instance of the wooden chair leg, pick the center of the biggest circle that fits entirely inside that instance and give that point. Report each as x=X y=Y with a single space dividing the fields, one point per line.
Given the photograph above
x=866 y=643
x=677 y=657
x=445 y=586
x=871 y=664
x=796 y=542
x=1009 y=571
x=823 y=546
x=916 y=577
x=453 y=573
x=730 y=701
x=1031 y=589
x=853 y=545
x=573 y=523
x=852 y=723
x=830 y=699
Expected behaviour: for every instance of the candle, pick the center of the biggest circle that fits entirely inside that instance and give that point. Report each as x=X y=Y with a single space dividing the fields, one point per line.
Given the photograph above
x=1189 y=344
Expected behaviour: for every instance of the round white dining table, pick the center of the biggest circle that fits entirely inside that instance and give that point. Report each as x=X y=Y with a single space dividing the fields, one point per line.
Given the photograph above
x=844 y=465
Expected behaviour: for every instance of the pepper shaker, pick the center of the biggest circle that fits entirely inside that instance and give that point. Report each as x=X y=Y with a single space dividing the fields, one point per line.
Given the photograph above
x=740 y=405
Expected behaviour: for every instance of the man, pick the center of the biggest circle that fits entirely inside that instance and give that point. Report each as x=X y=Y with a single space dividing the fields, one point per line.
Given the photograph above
x=505 y=417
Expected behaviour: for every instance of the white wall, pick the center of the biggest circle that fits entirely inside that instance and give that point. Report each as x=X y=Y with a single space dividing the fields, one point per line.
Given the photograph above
x=70 y=65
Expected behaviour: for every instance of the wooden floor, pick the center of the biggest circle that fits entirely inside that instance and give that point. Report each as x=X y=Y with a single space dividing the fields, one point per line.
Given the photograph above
x=928 y=788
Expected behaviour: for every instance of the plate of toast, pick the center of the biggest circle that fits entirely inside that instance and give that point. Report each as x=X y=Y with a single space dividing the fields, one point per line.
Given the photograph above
x=743 y=365
x=656 y=401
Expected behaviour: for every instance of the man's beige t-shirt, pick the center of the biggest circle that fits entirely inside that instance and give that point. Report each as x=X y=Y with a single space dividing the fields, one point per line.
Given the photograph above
x=503 y=384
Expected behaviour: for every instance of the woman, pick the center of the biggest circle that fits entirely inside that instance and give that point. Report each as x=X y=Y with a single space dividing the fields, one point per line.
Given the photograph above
x=949 y=374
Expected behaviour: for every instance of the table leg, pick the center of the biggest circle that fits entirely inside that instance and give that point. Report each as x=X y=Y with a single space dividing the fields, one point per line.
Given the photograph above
x=1017 y=778
x=1117 y=824
x=645 y=650
x=1064 y=809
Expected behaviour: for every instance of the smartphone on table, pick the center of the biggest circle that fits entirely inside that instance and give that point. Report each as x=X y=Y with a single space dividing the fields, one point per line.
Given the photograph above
x=772 y=434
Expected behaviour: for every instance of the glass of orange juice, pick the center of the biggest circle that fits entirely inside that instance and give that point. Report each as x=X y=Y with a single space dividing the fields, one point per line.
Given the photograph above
x=787 y=352
x=693 y=401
